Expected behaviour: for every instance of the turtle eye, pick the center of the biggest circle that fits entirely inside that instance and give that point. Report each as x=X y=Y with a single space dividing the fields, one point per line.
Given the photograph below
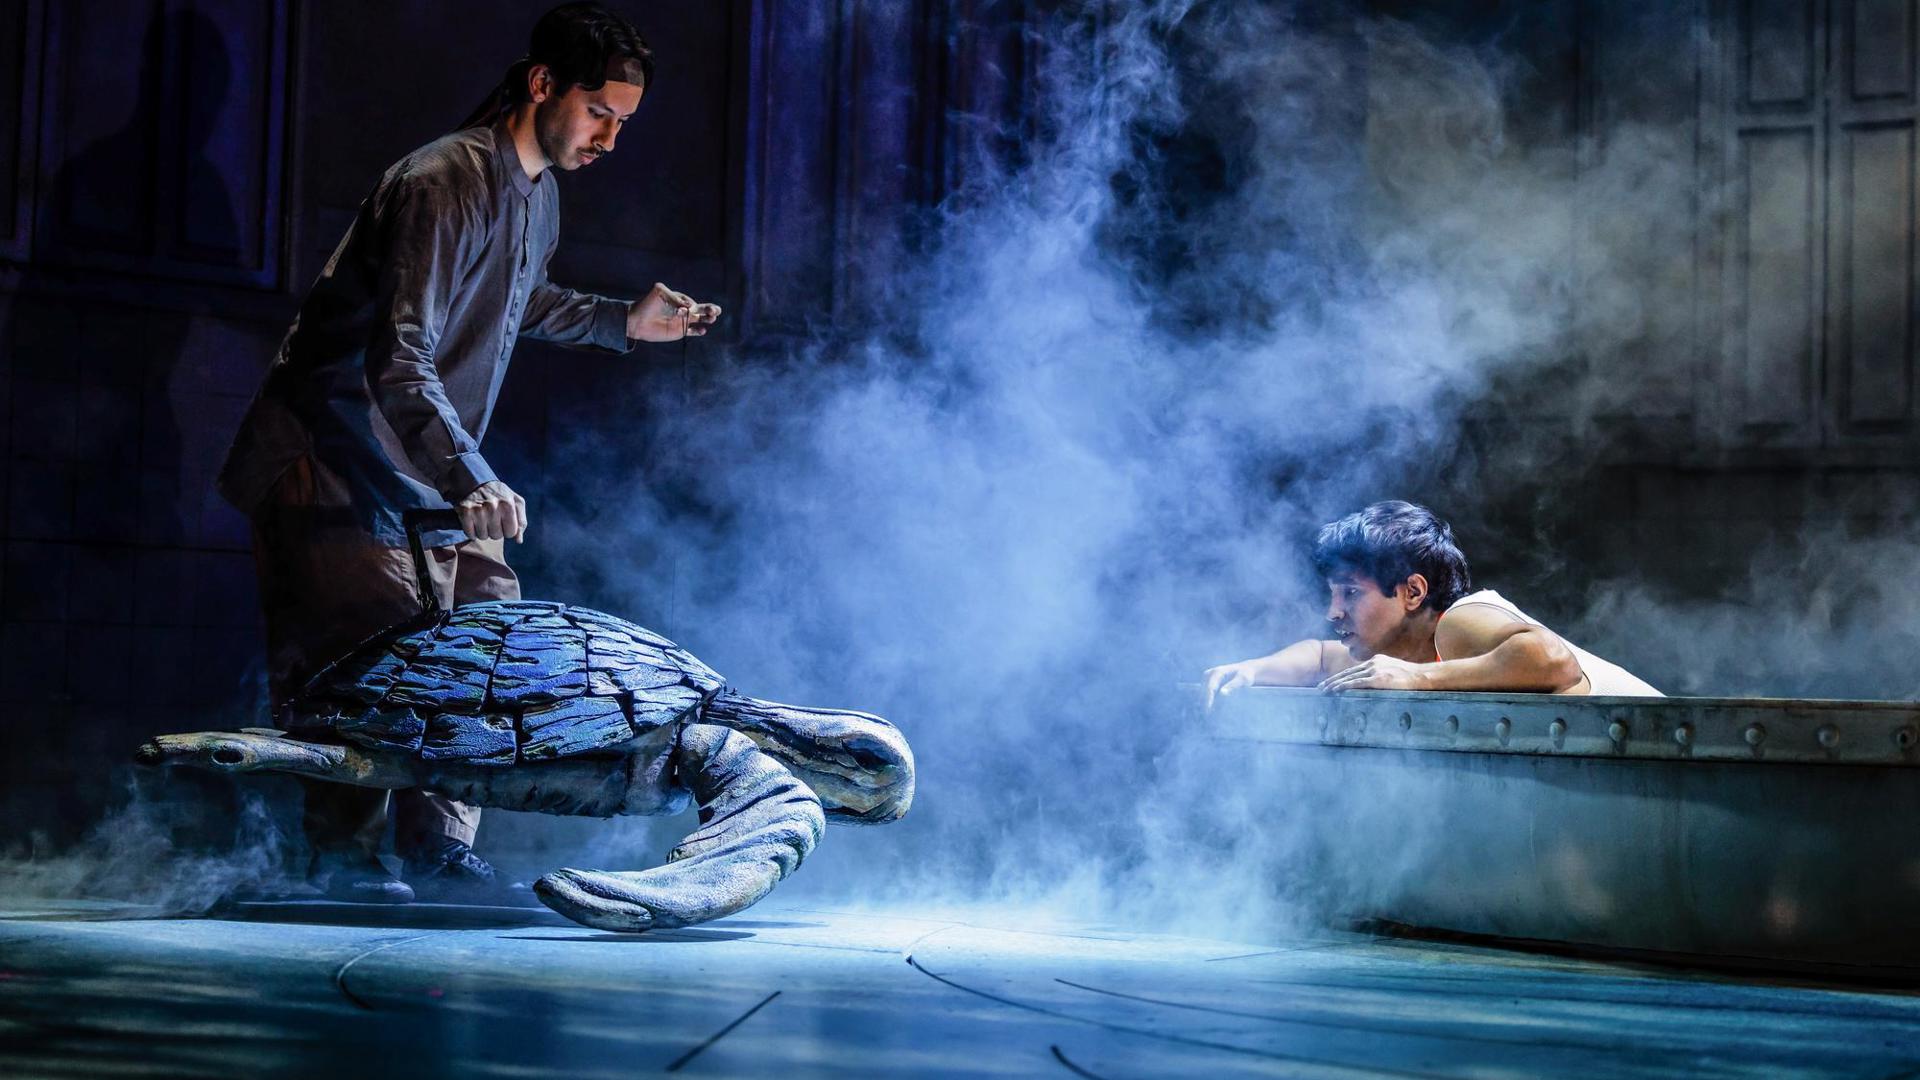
x=868 y=754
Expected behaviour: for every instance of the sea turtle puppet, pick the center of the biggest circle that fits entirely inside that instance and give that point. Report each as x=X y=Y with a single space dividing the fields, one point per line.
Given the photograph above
x=527 y=705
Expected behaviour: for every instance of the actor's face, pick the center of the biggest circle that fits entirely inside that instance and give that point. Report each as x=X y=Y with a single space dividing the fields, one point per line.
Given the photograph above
x=576 y=127
x=1365 y=621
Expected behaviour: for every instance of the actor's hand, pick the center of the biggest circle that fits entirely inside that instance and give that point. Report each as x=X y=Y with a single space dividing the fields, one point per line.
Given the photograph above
x=1227 y=678
x=493 y=512
x=665 y=315
x=1379 y=673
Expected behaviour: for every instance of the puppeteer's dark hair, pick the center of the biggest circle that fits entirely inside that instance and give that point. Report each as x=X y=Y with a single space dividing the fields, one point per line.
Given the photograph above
x=1392 y=541
x=580 y=43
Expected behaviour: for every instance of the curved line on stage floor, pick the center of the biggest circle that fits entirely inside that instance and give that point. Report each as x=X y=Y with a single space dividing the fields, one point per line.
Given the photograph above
x=680 y=1062
x=1332 y=1025
x=1071 y=1067
x=1183 y=1040
x=340 y=976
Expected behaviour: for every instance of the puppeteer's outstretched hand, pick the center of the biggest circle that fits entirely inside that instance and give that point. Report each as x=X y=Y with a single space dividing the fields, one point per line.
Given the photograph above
x=493 y=512
x=666 y=315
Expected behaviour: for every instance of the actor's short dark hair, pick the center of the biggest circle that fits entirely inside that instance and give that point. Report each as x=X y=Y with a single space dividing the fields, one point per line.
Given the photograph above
x=581 y=44
x=1392 y=541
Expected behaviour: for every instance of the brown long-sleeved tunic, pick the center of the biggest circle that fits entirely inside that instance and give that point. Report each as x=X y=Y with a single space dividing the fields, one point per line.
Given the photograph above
x=390 y=371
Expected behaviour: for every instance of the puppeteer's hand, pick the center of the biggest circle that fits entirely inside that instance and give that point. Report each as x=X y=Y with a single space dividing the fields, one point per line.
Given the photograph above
x=1379 y=673
x=665 y=315
x=1227 y=678
x=493 y=512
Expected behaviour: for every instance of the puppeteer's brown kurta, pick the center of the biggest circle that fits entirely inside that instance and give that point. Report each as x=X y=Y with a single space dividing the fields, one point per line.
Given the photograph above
x=390 y=372
x=376 y=404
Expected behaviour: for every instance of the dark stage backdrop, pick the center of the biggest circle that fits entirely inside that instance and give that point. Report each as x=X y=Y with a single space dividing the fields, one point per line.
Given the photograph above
x=172 y=172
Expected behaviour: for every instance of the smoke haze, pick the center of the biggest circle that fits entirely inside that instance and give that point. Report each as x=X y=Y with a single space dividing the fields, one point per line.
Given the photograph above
x=1256 y=271
x=1260 y=266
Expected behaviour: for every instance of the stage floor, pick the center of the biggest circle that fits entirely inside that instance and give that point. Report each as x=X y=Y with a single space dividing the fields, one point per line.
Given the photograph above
x=792 y=991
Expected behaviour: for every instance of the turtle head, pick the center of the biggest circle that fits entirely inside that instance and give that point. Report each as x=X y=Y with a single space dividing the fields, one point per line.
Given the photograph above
x=257 y=751
x=220 y=751
x=857 y=763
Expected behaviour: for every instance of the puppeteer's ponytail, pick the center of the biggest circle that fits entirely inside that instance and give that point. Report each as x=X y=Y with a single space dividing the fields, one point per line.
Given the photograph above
x=504 y=96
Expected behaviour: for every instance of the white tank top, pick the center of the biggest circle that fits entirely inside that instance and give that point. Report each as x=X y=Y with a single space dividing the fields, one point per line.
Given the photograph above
x=1603 y=676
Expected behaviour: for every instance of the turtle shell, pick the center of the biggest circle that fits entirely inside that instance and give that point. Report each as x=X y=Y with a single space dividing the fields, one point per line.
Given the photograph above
x=501 y=682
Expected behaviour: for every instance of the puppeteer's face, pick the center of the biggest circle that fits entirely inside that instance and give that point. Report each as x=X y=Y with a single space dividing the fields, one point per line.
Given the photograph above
x=1364 y=620
x=577 y=127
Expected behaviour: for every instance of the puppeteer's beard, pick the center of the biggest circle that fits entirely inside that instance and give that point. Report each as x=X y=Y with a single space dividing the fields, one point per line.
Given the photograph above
x=549 y=132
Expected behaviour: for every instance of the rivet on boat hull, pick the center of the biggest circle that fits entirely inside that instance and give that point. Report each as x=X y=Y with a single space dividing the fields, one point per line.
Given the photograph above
x=1557 y=729
x=1503 y=728
x=1406 y=721
x=1453 y=725
x=1683 y=734
x=1617 y=731
x=1755 y=734
x=1829 y=736
x=1903 y=738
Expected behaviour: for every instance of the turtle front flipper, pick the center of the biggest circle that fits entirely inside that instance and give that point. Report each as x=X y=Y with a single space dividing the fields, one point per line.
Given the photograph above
x=757 y=823
x=246 y=752
x=857 y=763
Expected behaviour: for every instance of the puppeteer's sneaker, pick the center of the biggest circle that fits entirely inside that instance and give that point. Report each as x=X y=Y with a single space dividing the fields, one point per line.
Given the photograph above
x=451 y=872
x=357 y=878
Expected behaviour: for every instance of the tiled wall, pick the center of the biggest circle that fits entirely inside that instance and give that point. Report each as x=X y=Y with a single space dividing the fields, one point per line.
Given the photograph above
x=127 y=598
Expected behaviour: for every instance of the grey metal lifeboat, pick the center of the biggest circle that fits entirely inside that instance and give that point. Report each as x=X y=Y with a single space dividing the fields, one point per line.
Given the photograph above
x=1782 y=832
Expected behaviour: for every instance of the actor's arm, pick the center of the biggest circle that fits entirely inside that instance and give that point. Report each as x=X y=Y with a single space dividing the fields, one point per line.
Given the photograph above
x=563 y=316
x=1492 y=651
x=432 y=235
x=1302 y=663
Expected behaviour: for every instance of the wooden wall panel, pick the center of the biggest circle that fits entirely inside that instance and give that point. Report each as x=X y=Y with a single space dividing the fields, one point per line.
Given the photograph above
x=1817 y=262
x=222 y=192
x=976 y=66
x=878 y=142
x=20 y=30
x=790 y=184
x=102 y=112
x=1874 y=286
x=1779 y=283
x=1777 y=39
x=1880 y=49
x=1634 y=78
x=161 y=151
x=1871 y=306
x=861 y=113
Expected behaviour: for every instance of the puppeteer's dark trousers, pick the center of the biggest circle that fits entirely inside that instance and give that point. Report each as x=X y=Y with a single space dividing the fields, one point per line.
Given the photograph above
x=326 y=585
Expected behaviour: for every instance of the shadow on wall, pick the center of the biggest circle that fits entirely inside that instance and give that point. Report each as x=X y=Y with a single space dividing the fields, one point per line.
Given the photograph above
x=125 y=596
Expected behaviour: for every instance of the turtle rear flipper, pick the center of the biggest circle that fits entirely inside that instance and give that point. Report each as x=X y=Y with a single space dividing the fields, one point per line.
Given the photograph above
x=757 y=823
